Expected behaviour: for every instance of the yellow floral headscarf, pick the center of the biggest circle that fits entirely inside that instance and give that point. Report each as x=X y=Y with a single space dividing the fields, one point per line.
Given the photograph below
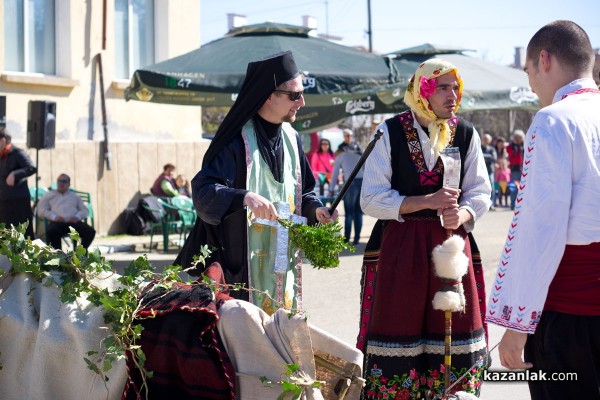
x=422 y=85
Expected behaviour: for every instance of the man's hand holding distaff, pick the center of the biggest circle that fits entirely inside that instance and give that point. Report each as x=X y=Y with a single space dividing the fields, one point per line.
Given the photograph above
x=445 y=201
x=453 y=218
x=444 y=198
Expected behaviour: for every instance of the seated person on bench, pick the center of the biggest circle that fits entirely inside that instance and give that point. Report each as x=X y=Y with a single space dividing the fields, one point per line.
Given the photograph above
x=64 y=208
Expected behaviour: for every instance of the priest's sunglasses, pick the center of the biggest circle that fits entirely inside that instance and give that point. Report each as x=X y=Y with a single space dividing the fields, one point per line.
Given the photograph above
x=294 y=96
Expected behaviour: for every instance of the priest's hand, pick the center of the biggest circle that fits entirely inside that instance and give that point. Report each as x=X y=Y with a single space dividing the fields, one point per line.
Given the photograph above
x=260 y=206
x=511 y=350
x=324 y=217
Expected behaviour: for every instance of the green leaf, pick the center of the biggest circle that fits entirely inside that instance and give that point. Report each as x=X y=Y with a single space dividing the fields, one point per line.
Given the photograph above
x=291 y=387
x=73 y=234
x=53 y=262
x=91 y=365
x=291 y=368
x=265 y=380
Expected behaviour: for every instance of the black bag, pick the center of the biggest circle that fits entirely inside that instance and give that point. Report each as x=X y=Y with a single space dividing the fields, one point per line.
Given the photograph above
x=153 y=215
x=132 y=222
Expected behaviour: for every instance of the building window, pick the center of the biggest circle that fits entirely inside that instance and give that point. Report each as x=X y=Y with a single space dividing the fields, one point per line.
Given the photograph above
x=134 y=36
x=30 y=37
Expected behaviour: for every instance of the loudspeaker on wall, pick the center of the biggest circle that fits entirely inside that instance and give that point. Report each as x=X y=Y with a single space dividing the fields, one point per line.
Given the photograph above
x=41 y=124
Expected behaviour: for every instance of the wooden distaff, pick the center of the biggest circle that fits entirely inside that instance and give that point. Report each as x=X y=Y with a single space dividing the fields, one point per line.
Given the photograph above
x=451 y=264
x=359 y=164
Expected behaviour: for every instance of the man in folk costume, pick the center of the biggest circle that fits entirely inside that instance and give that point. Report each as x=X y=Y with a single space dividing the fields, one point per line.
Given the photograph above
x=547 y=290
x=255 y=160
x=403 y=338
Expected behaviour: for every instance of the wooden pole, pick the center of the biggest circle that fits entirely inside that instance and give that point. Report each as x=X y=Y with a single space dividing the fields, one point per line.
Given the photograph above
x=447 y=339
x=447 y=350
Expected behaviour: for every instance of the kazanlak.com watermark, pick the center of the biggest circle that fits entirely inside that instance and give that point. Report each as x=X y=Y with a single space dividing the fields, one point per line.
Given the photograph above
x=527 y=375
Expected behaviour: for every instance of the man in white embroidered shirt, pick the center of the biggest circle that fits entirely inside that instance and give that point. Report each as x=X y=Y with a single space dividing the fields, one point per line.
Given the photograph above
x=547 y=288
x=63 y=209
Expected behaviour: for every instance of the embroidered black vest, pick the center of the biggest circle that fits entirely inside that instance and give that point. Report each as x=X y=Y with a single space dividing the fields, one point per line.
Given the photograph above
x=410 y=176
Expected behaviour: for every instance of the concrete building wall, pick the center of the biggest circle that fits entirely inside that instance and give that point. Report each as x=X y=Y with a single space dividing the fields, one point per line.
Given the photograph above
x=134 y=167
x=142 y=136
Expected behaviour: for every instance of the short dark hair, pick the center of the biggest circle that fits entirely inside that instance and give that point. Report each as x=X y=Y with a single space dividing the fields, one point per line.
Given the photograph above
x=565 y=40
x=66 y=176
x=4 y=134
x=168 y=166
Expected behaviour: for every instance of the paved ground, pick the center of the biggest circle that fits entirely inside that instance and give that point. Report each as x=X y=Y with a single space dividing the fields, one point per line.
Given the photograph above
x=331 y=297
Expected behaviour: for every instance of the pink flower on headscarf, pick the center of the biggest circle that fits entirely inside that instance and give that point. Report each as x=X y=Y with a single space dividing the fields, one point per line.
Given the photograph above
x=428 y=87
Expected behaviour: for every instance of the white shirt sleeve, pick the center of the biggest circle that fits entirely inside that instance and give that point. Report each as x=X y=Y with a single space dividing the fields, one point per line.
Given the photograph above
x=537 y=235
x=82 y=210
x=43 y=206
x=475 y=188
x=377 y=198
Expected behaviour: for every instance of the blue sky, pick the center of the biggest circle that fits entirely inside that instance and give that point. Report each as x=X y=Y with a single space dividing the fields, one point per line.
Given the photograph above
x=492 y=28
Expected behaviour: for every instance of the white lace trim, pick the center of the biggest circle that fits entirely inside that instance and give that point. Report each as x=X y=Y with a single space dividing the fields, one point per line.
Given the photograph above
x=425 y=348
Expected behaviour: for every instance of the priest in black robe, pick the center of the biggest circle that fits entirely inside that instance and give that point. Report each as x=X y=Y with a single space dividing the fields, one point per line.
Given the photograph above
x=270 y=96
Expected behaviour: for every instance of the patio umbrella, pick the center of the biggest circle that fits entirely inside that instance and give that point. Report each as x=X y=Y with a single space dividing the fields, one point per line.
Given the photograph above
x=339 y=80
x=488 y=86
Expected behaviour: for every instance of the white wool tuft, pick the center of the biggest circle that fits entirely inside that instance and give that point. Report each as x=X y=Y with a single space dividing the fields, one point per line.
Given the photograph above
x=454 y=244
x=449 y=258
x=447 y=301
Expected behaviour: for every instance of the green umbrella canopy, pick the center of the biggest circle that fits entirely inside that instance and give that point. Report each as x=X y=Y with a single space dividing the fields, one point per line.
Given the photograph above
x=488 y=86
x=212 y=75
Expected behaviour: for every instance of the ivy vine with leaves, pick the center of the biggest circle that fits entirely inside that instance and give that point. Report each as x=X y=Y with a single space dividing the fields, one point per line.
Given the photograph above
x=75 y=272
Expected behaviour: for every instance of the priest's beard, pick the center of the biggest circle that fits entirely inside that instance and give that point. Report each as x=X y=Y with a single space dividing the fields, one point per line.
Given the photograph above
x=290 y=117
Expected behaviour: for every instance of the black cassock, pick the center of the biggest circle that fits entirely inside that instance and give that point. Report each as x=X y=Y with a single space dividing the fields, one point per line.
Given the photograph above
x=218 y=192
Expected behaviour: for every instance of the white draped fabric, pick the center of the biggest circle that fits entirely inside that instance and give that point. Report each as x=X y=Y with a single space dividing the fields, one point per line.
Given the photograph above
x=43 y=342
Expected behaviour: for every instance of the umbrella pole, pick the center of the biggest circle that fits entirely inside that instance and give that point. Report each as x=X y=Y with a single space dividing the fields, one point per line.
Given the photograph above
x=357 y=168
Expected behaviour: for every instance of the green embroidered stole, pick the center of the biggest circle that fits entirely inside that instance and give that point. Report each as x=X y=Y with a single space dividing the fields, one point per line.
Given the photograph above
x=284 y=287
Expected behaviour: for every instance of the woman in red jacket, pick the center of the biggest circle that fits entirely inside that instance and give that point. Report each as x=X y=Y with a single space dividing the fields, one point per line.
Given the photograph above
x=322 y=160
